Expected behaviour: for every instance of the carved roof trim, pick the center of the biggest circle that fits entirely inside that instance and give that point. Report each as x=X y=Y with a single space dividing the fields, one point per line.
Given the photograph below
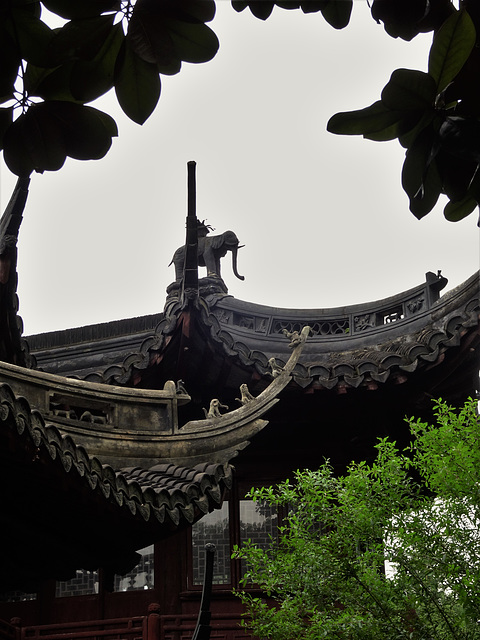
x=139 y=425
x=373 y=353
x=361 y=321
x=167 y=495
x=400 y=345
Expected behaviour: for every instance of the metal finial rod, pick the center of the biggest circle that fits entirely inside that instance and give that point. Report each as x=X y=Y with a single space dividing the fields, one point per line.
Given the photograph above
x=190 y=267
x=191 y=190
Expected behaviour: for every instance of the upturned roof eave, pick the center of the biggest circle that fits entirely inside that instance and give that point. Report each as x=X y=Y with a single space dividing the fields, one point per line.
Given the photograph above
x=125 y=509
x=247 y=340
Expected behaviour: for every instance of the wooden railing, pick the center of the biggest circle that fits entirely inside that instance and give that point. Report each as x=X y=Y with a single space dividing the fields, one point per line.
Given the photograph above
x=8 y=631
x=115 y=629
x=335 y=323
x=149 y=627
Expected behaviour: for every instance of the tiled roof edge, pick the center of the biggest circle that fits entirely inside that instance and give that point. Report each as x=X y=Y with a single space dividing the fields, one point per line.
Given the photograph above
x=445 y=319
x=119 y=486
x=110 y=329
x=453 y=323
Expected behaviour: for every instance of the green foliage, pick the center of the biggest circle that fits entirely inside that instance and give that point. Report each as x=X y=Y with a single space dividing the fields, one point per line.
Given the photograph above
x=407 y=18
x=126 y=45
x=336 y=12
x=80 y=61
x=435 y=116
x=419 y=509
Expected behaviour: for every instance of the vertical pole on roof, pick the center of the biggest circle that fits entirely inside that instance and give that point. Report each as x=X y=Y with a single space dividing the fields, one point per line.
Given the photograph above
x=191 y=190
x=190 y=273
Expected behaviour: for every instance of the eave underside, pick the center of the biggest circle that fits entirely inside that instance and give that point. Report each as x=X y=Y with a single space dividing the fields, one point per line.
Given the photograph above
x=62 y=510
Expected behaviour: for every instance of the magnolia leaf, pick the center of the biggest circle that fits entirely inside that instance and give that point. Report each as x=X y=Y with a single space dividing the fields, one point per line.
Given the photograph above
x=91 y=79
x=474 y=186
x=33 y=7
x=410 y=128
x=451 y=48
x=373 y=119
x=41 y=138
x=171 y=68
x=199 y=10
x=406 y=129
x=49 y=84
x=389 y=133
x=409 y=89
x=456 y=210
x=9 y=67
x=137 y=85
x=108 y=122
x=239 y=5
x=193 y=42
x=260 y=8
x=87 y=132
x=169 y=32
x=80 y=39
x=6 y=118
x=194 y=11
x=34 y=142
x=426 y=198
x=461 y=137
x=408 y=122
x=311 y=6
x=77 y=9
x=337 y=12
x=296 y=4
x=401 y=18
x=150 y=39
x=420 y=177
x=32 y=36
x=456 y=173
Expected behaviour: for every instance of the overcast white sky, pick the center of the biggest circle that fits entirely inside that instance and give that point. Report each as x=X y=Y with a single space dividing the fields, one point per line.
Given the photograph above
x=324 y=219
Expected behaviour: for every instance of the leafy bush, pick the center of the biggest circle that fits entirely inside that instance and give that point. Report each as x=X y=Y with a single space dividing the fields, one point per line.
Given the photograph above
x=417 y=509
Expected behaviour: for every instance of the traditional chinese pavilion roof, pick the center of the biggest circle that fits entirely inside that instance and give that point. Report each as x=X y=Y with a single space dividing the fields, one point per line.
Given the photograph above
x=63 y=509
x=118 y=440
x=349 y=347
x=214 y=343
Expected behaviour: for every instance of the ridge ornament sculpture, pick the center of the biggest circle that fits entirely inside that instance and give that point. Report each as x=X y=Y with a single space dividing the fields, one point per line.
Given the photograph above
x=210 y=250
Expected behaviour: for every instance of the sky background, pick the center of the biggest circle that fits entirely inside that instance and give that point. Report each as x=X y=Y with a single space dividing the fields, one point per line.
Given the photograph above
x=323 y=218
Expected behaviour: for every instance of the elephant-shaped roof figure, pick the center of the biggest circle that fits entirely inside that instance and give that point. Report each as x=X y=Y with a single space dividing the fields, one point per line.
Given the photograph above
x=210 y=249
